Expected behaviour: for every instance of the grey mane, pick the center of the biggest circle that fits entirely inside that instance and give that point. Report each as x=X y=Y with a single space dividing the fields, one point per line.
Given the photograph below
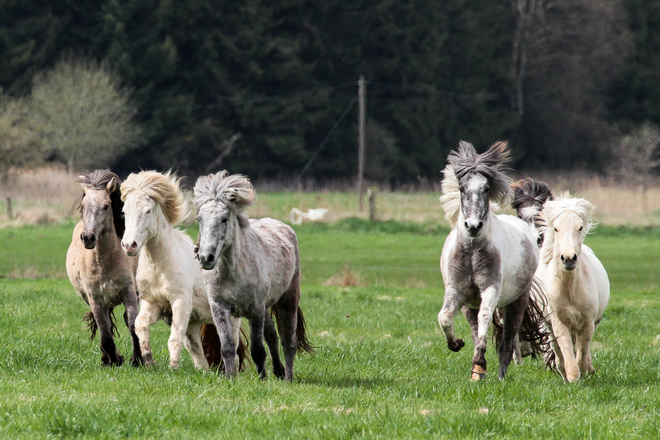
x=235 y=191
x=490 y=164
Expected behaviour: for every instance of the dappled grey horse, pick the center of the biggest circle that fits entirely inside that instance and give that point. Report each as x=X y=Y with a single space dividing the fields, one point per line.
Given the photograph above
x=488 y=260
x=250 y=266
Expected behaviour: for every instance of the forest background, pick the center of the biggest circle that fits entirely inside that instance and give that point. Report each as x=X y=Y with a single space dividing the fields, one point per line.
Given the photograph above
x=258 y=86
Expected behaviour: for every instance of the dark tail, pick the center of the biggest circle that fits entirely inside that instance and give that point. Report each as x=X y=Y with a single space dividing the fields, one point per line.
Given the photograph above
x=93 y=327
x=212 y=347
x=533 y=328
x=301 y=334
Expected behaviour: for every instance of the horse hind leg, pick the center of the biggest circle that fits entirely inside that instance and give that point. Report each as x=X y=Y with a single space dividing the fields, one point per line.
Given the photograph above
x=257 y=349
x=287 y=314
x=109 y=353
x=513 y=316
x=193 y=343
x=272 y=340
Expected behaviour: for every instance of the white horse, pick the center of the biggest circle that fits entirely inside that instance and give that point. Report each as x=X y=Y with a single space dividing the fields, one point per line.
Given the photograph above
x=578 y=288
x=168 y=276
x=488 y=260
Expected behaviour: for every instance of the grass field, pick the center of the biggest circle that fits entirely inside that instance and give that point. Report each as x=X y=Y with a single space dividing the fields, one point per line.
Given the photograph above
x=381 y=370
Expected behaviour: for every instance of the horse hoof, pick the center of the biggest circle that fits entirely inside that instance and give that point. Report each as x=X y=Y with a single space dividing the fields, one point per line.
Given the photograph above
x=136 y=361
x=478 y=373
x=457 y=345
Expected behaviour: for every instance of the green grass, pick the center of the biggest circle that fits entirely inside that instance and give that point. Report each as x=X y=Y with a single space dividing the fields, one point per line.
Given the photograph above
x=381 y=370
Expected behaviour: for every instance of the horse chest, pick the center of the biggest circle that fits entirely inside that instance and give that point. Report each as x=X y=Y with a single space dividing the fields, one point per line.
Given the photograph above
x=473 y=269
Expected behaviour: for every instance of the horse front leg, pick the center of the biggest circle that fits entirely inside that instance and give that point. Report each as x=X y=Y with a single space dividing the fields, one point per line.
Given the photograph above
x=583 y=349
x=489 y=298
x=181 y=309
x=451 y=305
x=225 y=324
x=193 y=343
x=130 y=315
x=109 y=353
x=564 y=343
x=148 y=316
x=512 y=318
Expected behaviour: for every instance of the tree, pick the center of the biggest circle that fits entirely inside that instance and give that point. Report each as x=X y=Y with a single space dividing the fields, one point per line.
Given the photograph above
x=19 y=146
x=82 y=114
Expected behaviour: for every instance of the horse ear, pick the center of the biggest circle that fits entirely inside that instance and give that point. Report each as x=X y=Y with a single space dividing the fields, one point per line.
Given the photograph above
x=81 y=181
x=112 y=185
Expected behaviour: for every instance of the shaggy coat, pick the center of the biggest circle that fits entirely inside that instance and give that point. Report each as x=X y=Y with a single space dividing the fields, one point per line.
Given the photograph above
x=98 y=268
x=577 y=284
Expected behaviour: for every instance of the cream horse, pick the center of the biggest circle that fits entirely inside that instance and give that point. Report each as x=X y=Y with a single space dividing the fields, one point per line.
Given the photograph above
x=578 y=288
x=169 y=278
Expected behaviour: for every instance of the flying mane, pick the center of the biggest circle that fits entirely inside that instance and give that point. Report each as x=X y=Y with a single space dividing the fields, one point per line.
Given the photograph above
x=164 y=189
x=99 y=179
x=466 y=161
x=553 y=209
x=235 y=191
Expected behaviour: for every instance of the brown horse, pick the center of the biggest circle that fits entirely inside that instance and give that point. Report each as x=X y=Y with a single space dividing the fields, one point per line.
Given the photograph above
x=97 y=266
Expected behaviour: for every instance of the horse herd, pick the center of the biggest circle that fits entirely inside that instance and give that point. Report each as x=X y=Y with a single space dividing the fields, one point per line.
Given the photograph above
x=531 y=276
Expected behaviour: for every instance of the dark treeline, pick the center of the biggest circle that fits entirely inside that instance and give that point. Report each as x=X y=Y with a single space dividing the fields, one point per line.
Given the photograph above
x=562 y=80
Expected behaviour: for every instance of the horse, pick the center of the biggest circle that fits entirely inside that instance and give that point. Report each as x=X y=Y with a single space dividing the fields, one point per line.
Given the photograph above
x=488 y=260
x=168 y=277
x=577 y=284
x=250 y=266
x=529 y=195
x=98 y=269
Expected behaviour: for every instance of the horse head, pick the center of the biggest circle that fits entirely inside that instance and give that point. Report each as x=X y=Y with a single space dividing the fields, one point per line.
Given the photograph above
x=480 y=182
x=151 y=199
x=220 y=200
x=100 y=200
x=567 y=223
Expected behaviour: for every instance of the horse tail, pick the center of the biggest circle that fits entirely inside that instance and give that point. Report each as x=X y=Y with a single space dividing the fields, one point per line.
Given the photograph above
x=301 y=334
x=92 y=326
x=213 y=349
x=533 y=328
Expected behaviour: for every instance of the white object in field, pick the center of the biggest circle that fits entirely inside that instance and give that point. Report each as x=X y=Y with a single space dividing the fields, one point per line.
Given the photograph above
x=314 y=215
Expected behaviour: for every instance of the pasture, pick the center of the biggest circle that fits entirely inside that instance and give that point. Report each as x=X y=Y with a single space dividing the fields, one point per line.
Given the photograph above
x=371 y=295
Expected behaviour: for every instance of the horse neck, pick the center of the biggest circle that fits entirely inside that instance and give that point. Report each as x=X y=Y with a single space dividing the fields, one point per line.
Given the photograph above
x=161 y=245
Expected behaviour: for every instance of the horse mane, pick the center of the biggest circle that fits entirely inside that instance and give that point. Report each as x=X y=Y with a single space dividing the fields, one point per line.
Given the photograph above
x=552 y=209
x=529 y=193
x=99 y=179
x=233 y=190
x=465 y=161
x=164 y=189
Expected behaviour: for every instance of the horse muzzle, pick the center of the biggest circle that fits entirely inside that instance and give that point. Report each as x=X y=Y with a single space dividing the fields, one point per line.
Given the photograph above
x=131 y=249
x=88 y=239
x=473 y=228
x=208 y=261
x=569 y=263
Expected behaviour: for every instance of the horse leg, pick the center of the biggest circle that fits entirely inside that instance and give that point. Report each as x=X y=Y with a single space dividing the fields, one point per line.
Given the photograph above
x=452 y=303
x=517 y=353
x=270 y=335
x=472 y=316
x=287 y=311
x=193 y=343
x=257 y=349
x=225 y=324
x=564 y=342
x=148 y=316
x=513 y=315
x=130 y=314
x=583 y=344
x=489 y=299
x=181 y=309
x=110 y=355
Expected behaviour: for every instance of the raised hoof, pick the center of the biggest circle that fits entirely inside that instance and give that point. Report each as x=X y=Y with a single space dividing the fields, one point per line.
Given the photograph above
x=478 y=373
x=457 y=345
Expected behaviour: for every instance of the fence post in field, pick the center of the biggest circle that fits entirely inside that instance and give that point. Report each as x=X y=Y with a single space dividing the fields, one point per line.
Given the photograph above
x=362 y=94
x=10 y=209
x=371 y=195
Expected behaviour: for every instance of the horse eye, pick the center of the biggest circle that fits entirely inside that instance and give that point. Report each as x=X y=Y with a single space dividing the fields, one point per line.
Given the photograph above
x=556 y=230
x=148 y=211
x=224 y=220
x=198 y=220
x=486 y=189
x=105 y=208
x=580 y=228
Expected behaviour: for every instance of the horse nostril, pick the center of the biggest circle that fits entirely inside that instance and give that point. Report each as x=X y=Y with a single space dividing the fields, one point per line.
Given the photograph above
x=466 y=225
x=210 y=258
x=480 y=225
x=574 y=257
x=562 y=258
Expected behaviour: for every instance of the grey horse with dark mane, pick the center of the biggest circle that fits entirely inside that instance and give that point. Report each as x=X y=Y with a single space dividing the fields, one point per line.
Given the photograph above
x=98 y=267
x=488 y=260
x=250 y=266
